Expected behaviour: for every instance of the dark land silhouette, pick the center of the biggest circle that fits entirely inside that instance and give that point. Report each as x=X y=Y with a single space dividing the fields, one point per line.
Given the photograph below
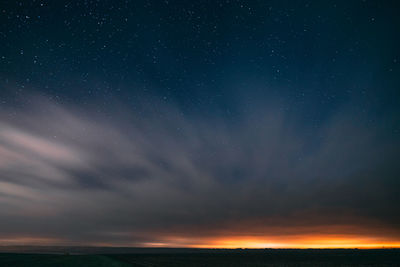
x=114 y=256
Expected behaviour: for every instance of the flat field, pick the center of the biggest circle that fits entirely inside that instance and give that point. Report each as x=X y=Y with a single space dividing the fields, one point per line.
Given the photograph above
x=177 y=257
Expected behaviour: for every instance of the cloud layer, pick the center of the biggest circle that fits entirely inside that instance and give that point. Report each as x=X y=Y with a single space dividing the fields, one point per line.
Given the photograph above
x=71 y=176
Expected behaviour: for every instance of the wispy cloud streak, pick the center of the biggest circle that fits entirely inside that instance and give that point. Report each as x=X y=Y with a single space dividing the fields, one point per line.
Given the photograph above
x=74 y=176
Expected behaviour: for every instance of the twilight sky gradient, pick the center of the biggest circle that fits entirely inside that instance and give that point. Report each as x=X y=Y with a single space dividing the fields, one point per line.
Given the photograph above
x=200 y=123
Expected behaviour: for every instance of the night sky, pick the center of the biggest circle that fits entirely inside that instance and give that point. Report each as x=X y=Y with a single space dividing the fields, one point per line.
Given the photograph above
x=200 y=123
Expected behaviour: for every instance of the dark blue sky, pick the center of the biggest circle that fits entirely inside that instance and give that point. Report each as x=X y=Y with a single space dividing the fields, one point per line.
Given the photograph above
x=314 y=55
x=284 y=102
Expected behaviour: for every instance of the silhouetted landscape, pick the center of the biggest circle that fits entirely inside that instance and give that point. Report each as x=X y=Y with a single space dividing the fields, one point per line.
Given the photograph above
x=99 y=256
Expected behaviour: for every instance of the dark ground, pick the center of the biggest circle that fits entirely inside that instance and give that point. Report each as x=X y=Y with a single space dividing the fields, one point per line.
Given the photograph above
x=192 y=257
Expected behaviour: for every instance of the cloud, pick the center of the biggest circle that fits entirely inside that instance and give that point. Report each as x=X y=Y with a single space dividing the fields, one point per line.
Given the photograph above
x=156 y=174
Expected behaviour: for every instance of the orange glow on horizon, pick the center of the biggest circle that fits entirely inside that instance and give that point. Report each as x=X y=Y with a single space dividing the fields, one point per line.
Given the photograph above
x=235 y=242
x=296 y=242
x=317 y=243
